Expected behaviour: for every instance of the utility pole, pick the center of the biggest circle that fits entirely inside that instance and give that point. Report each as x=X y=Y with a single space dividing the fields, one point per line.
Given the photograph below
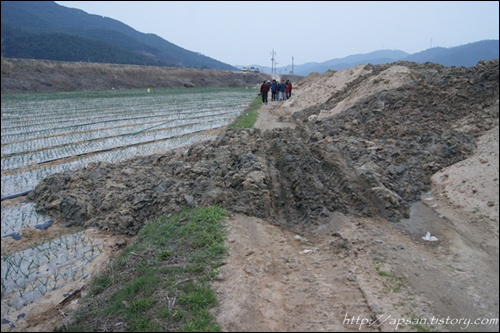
x=272 y=60
x=292 y=67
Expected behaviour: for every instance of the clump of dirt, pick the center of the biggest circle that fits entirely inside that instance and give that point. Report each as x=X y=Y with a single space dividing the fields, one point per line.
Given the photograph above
x=373 y=158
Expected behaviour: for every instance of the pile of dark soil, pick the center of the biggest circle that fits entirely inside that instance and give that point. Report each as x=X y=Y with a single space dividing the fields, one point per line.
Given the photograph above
x=373 y=159
x=273 y=175
x=399 y=138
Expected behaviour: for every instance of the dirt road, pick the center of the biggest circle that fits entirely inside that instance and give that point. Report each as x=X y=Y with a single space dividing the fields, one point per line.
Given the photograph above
x=270 y=115
x=277 y=281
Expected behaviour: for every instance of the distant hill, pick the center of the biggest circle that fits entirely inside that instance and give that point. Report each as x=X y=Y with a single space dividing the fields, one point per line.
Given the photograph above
x=46 y=30
x=465 y=55
x=376 y=58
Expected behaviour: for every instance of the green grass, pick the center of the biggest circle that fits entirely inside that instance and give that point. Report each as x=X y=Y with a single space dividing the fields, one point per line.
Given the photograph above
x=248 y=118
x=393 y=283
x=162 y=281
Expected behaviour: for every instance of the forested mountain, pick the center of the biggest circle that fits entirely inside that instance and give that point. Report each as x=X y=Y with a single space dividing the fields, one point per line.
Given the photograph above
x=46 y=30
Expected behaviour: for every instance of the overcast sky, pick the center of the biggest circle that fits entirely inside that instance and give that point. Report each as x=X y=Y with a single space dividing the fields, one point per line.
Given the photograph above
x=245 y=32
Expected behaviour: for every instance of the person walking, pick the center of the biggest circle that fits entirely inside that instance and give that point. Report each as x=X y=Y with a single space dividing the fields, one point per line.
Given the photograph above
x=288 y=91
x=274 y=89
x=264 y=90
x=282 y=90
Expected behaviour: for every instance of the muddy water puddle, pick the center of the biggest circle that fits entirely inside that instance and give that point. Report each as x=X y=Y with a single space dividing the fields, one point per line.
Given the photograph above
x=424 y=219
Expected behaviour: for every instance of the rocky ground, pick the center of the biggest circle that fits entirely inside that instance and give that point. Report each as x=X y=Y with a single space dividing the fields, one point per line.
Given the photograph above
x=345 y=177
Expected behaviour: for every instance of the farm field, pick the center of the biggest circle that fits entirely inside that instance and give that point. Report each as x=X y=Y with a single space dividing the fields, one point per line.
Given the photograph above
x=43 y=134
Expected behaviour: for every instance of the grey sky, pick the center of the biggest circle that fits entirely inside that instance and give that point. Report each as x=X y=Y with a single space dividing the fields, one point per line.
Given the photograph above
x=245 y=32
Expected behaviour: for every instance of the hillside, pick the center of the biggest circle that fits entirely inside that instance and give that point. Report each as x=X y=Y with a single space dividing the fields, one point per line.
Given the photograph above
x=46 y=30
x=23 y=75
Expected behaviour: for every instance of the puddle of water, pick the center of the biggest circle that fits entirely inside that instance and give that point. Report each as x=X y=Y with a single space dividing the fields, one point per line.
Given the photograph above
x=423 y=219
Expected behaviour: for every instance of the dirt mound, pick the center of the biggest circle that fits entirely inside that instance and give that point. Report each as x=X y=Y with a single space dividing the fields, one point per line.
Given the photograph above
x=317 y=89
x=374 y=158
x=409 y=133
x=273 y=175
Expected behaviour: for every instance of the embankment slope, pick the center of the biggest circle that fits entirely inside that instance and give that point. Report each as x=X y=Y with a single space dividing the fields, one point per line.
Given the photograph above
x=25 y=75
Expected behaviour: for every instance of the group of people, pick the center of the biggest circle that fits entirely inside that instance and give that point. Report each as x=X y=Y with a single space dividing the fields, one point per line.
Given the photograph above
x=279 y=91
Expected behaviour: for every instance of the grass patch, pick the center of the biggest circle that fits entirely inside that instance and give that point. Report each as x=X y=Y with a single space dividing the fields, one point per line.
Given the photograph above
x=162 y=281
x=393 y=283
x=248 y=118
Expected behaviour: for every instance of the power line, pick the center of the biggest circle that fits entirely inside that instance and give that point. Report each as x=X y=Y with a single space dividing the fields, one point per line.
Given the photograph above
x=272 y=61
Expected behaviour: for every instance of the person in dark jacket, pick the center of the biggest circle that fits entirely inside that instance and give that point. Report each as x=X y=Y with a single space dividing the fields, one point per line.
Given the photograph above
x=288 y=89
x=282 y=90
x=264 y=90
x=274 y=89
